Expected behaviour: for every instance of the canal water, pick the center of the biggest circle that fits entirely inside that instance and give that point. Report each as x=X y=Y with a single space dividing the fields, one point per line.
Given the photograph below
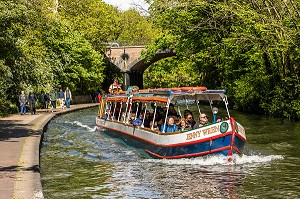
x=77 y=161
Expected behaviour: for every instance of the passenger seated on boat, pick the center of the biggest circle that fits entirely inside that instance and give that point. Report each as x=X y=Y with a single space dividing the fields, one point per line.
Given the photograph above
x=176 y=119
x=137 y=122
x=114 y=88
x=187 y=112
x=123 y=116
x=155 y=127
x=131 y=118
x=203 y=119
x=190 y=121
x=172 y=111
x=170 y=126
x=132 y=89
x=183 y=125
x=147 y=119
x=160 y=117
x=107 y=115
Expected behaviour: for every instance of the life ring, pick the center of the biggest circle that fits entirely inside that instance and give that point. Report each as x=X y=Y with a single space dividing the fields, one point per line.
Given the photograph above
x=200 y=88
x=187 y=88
x=197 y=88
x=146 y=90
x=175 y=89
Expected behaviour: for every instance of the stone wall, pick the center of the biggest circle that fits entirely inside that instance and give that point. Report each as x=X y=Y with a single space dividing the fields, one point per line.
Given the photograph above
x=82 y=99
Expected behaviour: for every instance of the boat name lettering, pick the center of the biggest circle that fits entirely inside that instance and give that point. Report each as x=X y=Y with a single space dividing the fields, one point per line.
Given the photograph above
x=202 y=132
x=241 y=129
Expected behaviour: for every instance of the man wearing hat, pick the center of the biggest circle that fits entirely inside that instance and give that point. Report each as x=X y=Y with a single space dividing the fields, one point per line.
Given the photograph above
x=114 y=88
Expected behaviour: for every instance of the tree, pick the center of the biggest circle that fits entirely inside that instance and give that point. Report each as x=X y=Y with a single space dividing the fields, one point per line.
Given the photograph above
x=247 y=47
x=39 y=50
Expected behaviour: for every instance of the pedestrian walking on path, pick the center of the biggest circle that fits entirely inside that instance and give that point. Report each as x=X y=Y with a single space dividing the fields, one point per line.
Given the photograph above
x=32 y=100
x=68 y=97
x=47 y=100
x=22 y=101
x=53 y=98
x=42 y=100
x=61 y=98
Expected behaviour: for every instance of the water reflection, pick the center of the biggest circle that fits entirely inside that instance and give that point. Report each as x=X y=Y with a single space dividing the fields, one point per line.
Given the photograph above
x=79 y=162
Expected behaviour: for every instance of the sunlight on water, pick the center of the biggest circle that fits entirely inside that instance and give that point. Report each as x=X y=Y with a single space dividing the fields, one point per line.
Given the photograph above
x=82 y=125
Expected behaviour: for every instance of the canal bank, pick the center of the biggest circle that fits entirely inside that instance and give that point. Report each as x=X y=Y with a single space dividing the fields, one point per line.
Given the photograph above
x=20 y=138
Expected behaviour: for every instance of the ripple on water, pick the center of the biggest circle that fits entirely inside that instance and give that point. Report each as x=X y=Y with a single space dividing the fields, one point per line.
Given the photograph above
x=219 y=160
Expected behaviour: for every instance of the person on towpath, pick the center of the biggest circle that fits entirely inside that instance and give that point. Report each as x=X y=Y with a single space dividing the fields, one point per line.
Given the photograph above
x=22 y=101
x=68 y=97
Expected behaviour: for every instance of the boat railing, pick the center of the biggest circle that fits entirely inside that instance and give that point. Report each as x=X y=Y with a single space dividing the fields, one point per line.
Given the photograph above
x=169 y=133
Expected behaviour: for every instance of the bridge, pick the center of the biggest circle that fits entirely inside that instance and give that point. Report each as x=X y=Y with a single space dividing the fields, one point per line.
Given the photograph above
x=128 y=59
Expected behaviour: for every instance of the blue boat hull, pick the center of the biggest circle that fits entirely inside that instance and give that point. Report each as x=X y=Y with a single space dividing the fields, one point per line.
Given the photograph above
x=217 y=145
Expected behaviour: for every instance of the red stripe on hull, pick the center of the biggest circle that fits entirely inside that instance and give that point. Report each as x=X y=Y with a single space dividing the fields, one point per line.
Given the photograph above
x=190 y=155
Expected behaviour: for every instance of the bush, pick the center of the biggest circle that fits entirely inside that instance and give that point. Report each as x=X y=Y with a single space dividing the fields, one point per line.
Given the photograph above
x=7 y=108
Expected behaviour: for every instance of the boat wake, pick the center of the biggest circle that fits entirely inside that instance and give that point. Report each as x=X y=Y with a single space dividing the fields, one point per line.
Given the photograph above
x=220 y=160
x=83 y=126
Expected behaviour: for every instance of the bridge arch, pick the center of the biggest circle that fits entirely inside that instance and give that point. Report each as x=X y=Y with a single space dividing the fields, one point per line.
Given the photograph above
x=128 y=60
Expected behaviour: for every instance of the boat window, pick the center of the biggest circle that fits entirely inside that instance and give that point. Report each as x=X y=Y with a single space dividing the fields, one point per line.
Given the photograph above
x=129 y=107
x=120 y=110
x=154 y=123
x=115 y=112
x=111 y=108
x=137 y=109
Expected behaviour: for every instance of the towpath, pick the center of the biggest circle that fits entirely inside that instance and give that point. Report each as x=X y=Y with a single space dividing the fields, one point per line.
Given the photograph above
x=20 y=137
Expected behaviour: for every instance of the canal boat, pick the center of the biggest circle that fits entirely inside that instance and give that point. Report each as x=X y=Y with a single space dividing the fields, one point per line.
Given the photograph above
x=223 y=135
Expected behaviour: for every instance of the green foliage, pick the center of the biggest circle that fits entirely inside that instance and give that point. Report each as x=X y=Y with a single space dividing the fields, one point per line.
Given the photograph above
x=135 y=29
x=95 y=20
x=164 y=74
x=78 y=65
x=49 y=44
x=248 y=47
x=41 y=54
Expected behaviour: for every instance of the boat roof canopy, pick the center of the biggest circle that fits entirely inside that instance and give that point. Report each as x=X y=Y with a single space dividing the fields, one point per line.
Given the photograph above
x=202 y=96
x=162 y=95
x=150 y=99
x=117 y=98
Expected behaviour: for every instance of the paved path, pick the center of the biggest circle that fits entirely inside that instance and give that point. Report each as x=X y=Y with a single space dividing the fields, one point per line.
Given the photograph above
x=20 y=137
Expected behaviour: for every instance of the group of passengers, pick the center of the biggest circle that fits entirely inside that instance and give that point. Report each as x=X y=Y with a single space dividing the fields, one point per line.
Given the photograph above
x=174 y=122
x=185 y=123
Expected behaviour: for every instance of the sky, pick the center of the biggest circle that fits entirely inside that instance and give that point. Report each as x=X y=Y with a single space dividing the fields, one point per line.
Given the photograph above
x=125 y=4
